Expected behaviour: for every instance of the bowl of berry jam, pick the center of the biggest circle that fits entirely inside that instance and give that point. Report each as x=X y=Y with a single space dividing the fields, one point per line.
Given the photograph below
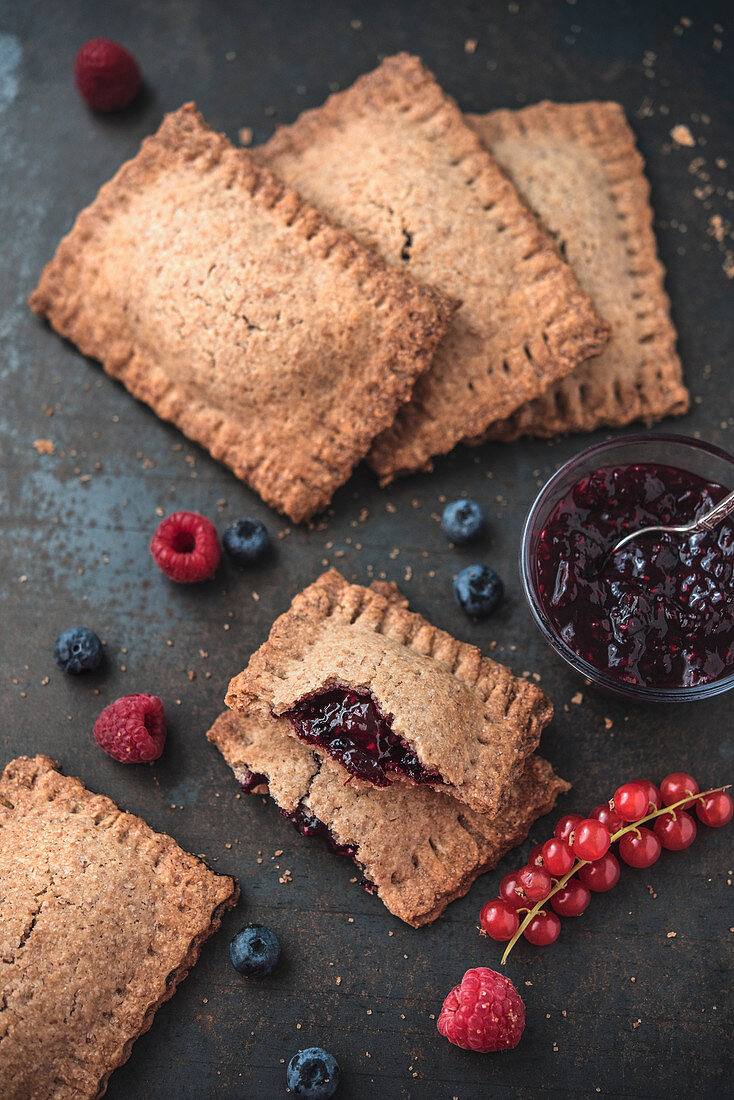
x=655 y=620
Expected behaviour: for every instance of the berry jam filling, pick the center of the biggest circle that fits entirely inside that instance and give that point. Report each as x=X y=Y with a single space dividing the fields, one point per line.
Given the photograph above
x=308 y=825
x=248 y=780
x=658 y=613
x=349 y=726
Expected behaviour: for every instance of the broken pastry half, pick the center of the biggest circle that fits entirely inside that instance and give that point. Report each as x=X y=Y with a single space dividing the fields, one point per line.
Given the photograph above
x=418 y=849
x=389 y=698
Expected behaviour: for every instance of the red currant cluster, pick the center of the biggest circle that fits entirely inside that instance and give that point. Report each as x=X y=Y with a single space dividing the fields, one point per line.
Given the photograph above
x=577 y=860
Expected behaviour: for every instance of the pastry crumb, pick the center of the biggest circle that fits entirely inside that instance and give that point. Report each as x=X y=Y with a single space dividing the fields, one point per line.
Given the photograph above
x=681 y=135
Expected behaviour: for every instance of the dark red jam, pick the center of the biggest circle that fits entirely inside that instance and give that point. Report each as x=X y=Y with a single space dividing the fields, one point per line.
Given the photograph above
x=658 y=613
x=349 y=726
x=248 y=780
x=308 y=825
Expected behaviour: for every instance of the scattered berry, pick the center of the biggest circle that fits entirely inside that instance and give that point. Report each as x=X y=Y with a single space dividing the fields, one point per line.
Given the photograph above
x=640 y=848
x=602 y=874
x=313 y=1074
x=591 y=839
x=631 y=801
x=484 y=1013
x=675 y=787
x=608 y=817
x=558 y=858
x=675 y=831
x=254 y=951
x=510 y=891
x=535 y=882
x=499 y=919
x=132 y=729
x=106 y=74
x=571 y=899
x=246 y=540
x=463 y=521
x=544 y=929
x=566 y=826
x=478 y=590
x=77 y=650
x=715 y=809
x=185 y=546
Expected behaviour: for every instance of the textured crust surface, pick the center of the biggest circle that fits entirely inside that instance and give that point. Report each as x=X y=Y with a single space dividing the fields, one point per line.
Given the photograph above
x=101 y=919
x=462 y=714
x=578 y=167
x=240 y=313
x=392 y=159
x=421 y=848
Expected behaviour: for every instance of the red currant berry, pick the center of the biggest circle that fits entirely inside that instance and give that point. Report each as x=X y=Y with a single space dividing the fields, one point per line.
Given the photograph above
x=557 y=857
x=608 y=817
x=591 y=840
x=715 y=809
x=499 y=920
x=544 y=928
x=653 y=794
x=535 y=881
x=675 y=787
x=631 y=801
x=509 y=891
x=640 y=848
x=572 y=899
x=535 y=859
x=566 y=825
x=602 y=874
x=675 y=831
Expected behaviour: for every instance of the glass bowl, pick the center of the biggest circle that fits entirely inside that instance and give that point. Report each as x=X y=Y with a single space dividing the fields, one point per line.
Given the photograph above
x=703 y=459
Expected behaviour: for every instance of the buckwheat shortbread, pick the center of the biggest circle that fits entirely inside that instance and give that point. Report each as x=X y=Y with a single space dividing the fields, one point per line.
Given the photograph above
x=449 y=717
x=578 y=167
x=419 y=849
x=100 y=919
x=242 y=314
x=393 y=160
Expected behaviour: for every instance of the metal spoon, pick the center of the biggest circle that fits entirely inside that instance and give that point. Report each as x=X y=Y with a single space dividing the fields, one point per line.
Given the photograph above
x=706 y=522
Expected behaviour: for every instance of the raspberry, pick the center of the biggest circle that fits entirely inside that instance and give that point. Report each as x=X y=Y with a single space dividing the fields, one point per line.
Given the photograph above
x=132 y=729
x=106 y=74
x=185 y=546
x=484 y=1013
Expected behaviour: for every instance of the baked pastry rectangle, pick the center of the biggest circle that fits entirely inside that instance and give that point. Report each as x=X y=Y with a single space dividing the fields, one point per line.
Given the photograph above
x=393 y=160
x=101 y=920
x=240 y=313
x=418 y=849
x=578 y=167
x=462 y=723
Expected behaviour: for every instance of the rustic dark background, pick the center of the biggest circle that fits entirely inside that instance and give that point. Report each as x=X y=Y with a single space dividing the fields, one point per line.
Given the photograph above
x=632 y=1000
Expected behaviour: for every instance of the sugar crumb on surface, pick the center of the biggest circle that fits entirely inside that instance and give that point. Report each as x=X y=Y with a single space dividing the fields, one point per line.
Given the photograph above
x=681 y=135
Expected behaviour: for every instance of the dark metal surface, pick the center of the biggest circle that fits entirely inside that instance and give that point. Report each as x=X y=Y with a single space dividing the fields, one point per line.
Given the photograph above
x=632 y=1000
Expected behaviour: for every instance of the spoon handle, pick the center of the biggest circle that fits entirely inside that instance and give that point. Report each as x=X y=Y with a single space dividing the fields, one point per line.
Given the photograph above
x=714 y=517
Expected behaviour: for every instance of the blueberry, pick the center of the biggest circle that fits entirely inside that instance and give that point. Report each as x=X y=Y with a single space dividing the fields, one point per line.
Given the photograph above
x=478 y=590
x=313 y=1074
x=78 y=650
x=463 y=521
x=254 y=951
x=246 y=540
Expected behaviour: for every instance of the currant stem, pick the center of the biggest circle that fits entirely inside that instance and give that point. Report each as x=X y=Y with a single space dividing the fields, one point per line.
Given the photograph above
x=631 y=827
